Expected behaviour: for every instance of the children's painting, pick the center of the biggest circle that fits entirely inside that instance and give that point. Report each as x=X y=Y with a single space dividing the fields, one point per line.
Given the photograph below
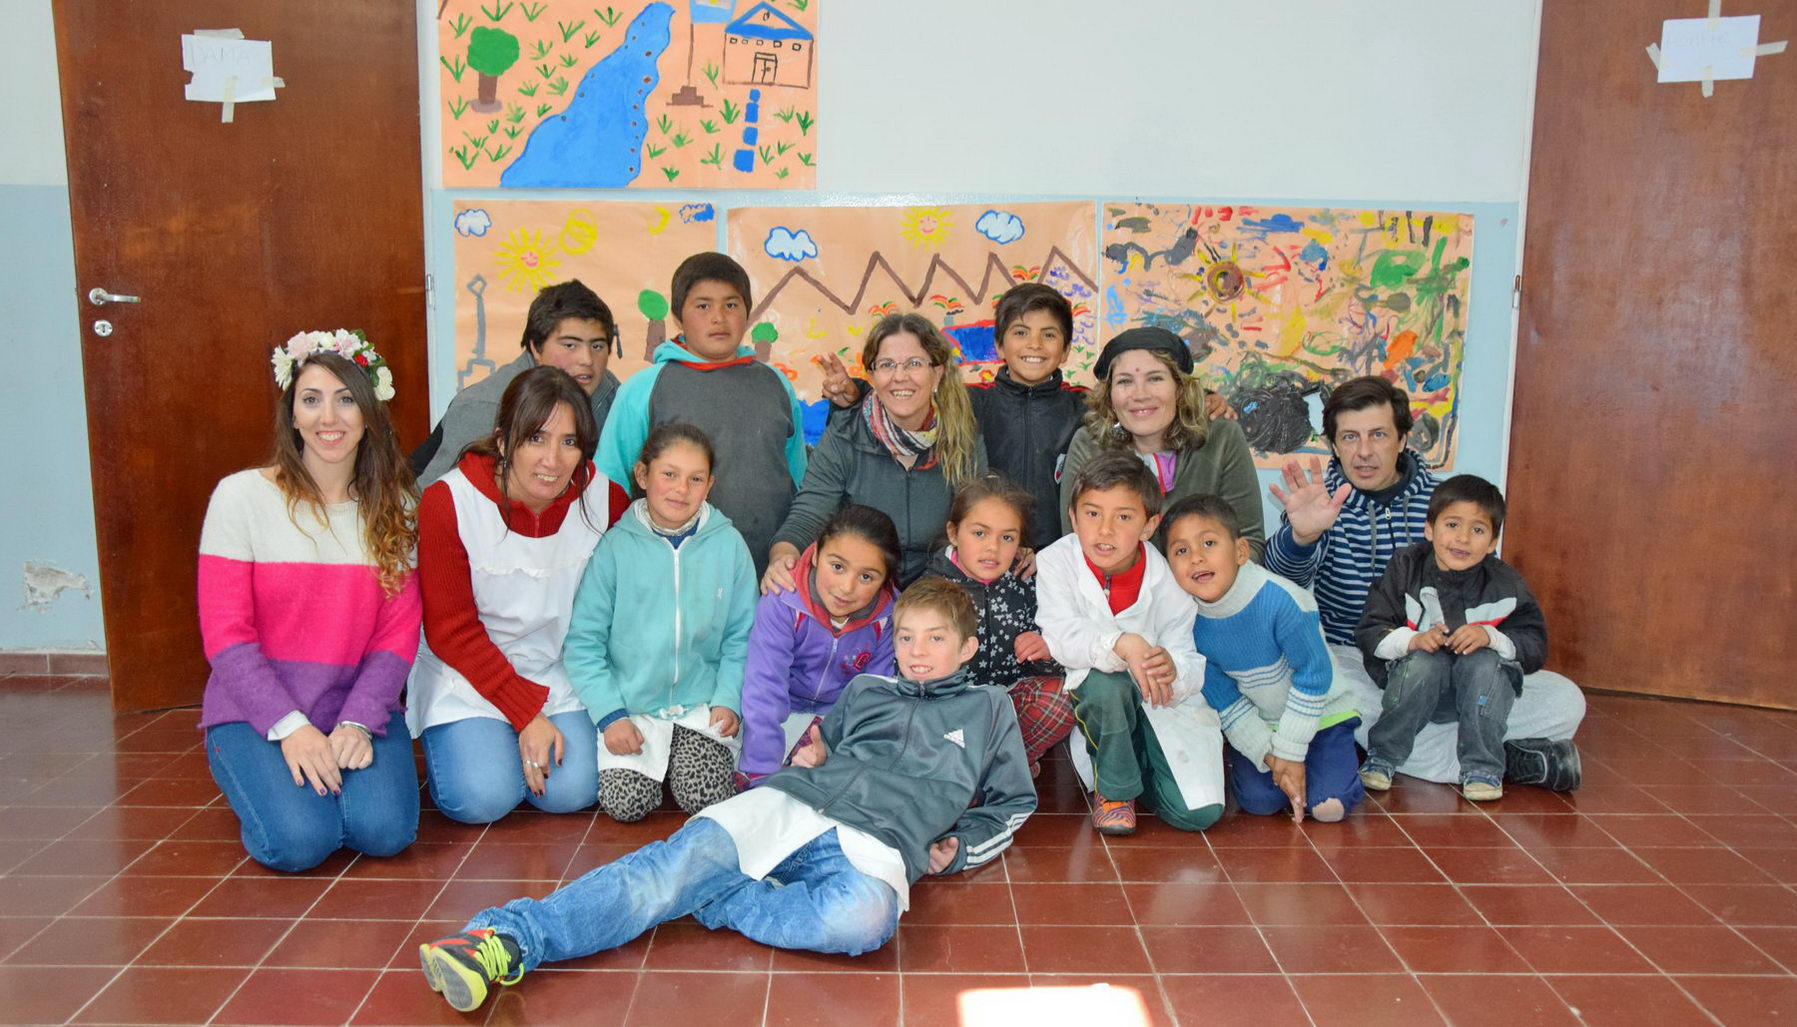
x=1279 y=304
x=506 y=250
x=824 y=275
x=699 y=94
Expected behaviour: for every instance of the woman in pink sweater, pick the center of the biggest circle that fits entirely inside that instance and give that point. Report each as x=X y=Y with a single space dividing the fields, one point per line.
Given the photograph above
x=309 y=614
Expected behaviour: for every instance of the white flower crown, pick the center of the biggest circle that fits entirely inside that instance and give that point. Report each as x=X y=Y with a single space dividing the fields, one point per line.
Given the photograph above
x=351 y=345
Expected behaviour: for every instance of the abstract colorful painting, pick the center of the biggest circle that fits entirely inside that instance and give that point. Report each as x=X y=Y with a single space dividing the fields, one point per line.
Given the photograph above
x=689 y=94
x=824 y=275
x=506 y=250
x=1279 y=303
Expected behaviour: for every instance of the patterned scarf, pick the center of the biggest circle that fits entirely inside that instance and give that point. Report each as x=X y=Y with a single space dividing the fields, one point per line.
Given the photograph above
x=919 y=445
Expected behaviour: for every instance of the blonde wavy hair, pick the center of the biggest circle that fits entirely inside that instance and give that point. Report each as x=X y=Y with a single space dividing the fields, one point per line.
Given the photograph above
x=1190 y=426
x=382 y=484
x=957 y=436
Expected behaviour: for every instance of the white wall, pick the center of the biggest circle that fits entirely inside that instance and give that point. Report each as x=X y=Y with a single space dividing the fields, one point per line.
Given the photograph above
x=1305 y=102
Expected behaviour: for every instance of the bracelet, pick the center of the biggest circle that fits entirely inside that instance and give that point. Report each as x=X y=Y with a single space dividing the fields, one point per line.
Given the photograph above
x=359 y=727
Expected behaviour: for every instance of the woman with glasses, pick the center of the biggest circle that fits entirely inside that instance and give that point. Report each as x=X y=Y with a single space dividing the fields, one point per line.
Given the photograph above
x=905 y=451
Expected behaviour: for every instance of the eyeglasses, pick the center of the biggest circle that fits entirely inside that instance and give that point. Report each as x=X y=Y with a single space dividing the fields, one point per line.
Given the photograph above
x=890 y=367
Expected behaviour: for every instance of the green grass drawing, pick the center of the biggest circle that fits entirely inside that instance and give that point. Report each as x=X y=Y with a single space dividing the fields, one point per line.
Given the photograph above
x=498 y=154
x=805 y=122
x=528 y=89
x=568 y=30
x=656 y=151
x=497 y=12
x=609 y=16
x=730 y=112
x=680 y=139
x=456 y=67
x=672 y=173
x=458 y=104
x=559 y=86
x=711 y=72
x=715 y=157
x=804 y=158
x=710 y=126
x=540 y=49
x=534 y=11
x=460 y=24
x=467 y=159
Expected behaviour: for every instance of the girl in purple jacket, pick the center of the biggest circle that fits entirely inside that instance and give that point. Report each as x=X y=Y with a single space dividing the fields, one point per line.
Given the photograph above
x=807 y=644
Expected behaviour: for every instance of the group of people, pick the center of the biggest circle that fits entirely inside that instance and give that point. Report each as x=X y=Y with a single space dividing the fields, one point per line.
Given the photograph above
x=847 y=661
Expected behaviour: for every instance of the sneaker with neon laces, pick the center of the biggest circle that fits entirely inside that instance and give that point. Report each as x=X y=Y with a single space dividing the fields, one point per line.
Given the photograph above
x=462 y=965
x=1114 y=817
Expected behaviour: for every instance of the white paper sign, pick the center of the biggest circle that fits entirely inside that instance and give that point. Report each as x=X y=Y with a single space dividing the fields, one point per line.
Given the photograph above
x=227 y=70
x=1690 y=51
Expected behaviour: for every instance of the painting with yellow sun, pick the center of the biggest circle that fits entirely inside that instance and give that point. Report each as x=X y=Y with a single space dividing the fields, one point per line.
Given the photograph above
x=526 y=260
x=508 y=250
x=926 y=227
x=824 y=275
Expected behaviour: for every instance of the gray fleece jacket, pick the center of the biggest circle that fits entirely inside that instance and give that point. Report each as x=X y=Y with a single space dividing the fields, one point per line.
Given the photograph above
x=851 y=466
x=474 y=410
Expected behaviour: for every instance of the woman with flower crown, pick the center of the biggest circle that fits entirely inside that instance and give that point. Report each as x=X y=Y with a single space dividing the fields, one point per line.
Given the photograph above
x=309 y=612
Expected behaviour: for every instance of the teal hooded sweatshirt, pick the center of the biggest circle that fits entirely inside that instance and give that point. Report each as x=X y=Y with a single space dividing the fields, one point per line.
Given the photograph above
x=657 y=626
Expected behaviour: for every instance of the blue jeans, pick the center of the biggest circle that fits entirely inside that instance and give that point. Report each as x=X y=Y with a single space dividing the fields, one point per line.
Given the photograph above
x=476 y=775
x=1331 y=771
x=291 y=827
x=1477 y=690
x=815 y=900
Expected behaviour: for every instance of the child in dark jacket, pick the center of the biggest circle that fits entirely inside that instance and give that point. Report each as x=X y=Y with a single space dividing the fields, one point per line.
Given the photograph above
x=1028 y=413
x=897 y=763
x=986 y=525
x=1448 y=633
x=808 y=644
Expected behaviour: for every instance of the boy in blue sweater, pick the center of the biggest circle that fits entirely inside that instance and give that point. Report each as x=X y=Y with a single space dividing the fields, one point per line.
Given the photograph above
x=1289 y=719
x=910 y=775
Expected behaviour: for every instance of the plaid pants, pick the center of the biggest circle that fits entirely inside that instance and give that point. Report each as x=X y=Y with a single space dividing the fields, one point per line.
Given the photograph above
x=1044 y=713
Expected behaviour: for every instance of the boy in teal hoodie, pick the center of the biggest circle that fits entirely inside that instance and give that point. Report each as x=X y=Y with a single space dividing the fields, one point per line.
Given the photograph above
x=707 y=377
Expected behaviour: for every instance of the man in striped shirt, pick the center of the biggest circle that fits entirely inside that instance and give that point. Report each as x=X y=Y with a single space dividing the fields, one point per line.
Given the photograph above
x=1341 y=527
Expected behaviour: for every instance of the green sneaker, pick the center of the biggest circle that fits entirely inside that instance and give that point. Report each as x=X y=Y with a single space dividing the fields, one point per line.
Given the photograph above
x=462 y=965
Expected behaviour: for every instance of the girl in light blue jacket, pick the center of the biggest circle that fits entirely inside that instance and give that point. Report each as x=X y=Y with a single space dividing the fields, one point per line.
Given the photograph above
x=660 y=632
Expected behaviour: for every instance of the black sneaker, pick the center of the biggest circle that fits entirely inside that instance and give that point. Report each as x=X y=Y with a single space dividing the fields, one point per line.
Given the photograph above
x=1551 y=763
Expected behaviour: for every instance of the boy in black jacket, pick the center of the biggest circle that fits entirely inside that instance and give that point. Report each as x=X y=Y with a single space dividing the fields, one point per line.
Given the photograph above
x=1448 y=633
x=823 y=854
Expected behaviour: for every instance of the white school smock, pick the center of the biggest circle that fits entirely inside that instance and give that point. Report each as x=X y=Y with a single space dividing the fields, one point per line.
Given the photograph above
x=524 y=593
x=1080 y=629
x=769 y=825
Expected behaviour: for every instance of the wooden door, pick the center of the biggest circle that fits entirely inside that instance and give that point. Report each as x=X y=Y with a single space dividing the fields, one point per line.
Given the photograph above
x=301 y=213
x=1654 y=432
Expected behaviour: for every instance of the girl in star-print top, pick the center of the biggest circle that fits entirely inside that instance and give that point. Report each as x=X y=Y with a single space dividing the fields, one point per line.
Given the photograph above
x=987 y=522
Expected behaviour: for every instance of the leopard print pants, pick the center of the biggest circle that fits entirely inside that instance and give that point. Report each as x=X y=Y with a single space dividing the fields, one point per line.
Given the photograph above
x=700 y=772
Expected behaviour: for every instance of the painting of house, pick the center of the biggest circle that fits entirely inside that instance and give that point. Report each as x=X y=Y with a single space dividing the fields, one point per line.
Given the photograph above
x=766 y=48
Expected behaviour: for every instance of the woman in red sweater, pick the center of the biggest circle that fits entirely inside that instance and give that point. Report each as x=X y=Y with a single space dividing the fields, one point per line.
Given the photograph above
x=502 y=542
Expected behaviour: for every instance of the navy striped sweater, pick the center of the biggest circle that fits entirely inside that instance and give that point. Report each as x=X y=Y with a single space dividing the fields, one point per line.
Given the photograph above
x=1342 y=566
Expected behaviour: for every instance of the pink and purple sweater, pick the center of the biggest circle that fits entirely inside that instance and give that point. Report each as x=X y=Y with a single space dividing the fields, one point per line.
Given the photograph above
x=294 y=618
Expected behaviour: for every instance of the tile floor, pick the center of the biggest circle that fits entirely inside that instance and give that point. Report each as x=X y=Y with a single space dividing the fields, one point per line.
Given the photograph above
x=1660 y=893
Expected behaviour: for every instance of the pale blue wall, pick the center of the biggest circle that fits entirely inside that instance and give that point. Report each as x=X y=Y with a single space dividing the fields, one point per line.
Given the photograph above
x=48 y=515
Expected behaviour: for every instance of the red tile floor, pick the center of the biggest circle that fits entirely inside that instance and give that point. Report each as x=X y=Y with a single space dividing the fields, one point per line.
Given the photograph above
x=1659 y=893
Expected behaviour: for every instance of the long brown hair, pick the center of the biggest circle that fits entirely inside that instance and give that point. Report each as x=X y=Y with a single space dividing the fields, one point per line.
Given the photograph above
x=527 y=404
x=1190 y=426
x=386 y=495
x=956 y=433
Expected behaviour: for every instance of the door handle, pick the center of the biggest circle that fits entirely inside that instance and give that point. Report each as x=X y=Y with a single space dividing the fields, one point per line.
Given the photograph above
x=100 y=297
